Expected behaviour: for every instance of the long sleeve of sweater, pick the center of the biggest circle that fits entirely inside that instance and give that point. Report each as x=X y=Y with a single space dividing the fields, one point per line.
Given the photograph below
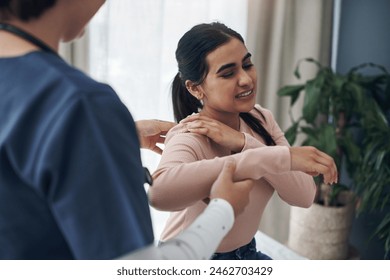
x=182 y=179
x=189 y=166
x=294 y=187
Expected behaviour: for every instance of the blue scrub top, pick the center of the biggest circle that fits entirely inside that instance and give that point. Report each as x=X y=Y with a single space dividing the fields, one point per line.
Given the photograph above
x=71 y=178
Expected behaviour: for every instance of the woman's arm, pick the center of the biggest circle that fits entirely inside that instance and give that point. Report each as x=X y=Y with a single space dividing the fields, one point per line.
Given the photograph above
x=183 y=179
x=184 y=176
x=295 y=187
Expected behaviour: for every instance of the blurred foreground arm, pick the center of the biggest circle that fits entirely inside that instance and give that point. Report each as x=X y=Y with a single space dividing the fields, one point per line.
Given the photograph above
x=200 y=240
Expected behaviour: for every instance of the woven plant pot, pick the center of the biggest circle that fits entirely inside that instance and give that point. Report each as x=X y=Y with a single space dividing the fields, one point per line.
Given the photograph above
x=320 y=232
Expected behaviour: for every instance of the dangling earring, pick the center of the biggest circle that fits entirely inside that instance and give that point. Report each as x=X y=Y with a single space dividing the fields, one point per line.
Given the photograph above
x=200 y=100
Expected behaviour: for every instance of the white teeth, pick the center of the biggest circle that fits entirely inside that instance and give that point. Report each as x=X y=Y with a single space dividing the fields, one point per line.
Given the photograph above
x=244 y=94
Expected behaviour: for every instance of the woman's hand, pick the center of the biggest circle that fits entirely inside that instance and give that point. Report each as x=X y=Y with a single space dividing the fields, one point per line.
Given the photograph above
x=314 y=162
x=215 y=130
x=151 y=132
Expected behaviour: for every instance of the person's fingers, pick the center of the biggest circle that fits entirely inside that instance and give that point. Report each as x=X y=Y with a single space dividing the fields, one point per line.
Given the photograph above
x=314 y=174
x=326 y=171
x=147 y=128
x=157 y=149
x=190 y=118
x=203 y=131
x=236 y=193
x=246 y=185
x=327 y=160
x=194 y=124
x=314 y=162
x=165 y=126
x=197 y=117
x=322 y=169
x=200 y=127
x=228 y=169
x=329 y=163
x=200 y=123
x=160 y=140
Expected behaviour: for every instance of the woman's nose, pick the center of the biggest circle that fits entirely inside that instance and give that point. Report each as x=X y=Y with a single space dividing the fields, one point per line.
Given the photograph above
x=244 y=79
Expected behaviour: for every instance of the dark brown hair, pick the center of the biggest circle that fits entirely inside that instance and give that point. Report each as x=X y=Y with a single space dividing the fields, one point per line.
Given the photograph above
x=24 y=9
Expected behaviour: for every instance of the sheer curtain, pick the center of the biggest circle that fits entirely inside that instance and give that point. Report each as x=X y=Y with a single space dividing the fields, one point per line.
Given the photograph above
x=132 y=47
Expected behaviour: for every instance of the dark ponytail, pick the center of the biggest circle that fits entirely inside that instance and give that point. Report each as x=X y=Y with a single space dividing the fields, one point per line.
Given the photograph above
x=258 y=127
x=184 y=103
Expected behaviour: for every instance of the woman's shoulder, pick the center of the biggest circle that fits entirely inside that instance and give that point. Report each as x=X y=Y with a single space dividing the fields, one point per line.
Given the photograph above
x=176 y=130
x=262 y=113
x=180 y=133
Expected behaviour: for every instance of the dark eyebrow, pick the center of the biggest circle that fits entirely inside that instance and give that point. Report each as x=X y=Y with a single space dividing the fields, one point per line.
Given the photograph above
x=223 y=67
x=248 y=55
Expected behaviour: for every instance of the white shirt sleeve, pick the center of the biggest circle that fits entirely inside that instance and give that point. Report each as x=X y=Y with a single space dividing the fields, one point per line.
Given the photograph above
x=198 y=241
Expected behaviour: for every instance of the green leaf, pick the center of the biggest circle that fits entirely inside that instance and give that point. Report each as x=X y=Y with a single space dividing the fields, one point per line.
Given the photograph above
x=291 y=133
x=328 y=140
x=323 y=138
x=292 y=91
x=366 y=65
x=352 y=152
x=357 y=100
x=310 y=131
x=311 y=101
x=311 y=60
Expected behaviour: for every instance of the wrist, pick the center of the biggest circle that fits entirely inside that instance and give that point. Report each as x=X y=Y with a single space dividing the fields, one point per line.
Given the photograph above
x=240 y=143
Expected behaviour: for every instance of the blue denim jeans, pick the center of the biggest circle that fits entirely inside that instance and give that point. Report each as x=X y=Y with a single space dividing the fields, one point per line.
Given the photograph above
x=246 y=252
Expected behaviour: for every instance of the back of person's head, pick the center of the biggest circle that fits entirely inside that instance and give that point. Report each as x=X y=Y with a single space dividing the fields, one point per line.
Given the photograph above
x=24 y=10
x=191 y=53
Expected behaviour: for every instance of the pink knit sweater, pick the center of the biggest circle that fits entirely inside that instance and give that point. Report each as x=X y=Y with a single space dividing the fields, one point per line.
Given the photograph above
x=191 y=162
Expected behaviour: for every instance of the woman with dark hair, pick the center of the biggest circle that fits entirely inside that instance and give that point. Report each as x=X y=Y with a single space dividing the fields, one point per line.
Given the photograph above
x=216 y=87
x=71 y=177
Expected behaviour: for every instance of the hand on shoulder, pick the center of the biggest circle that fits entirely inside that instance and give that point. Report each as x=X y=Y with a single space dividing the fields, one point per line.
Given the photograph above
x=219 y=132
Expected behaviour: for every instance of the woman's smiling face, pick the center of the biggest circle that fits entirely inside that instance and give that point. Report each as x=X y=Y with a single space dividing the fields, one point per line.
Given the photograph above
x=230 y=84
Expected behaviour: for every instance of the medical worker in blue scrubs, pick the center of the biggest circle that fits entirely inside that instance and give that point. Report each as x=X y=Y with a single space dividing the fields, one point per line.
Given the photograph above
x=71 y=177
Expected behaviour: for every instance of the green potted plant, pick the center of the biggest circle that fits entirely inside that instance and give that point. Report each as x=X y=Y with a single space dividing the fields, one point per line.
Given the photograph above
x=347 y=116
